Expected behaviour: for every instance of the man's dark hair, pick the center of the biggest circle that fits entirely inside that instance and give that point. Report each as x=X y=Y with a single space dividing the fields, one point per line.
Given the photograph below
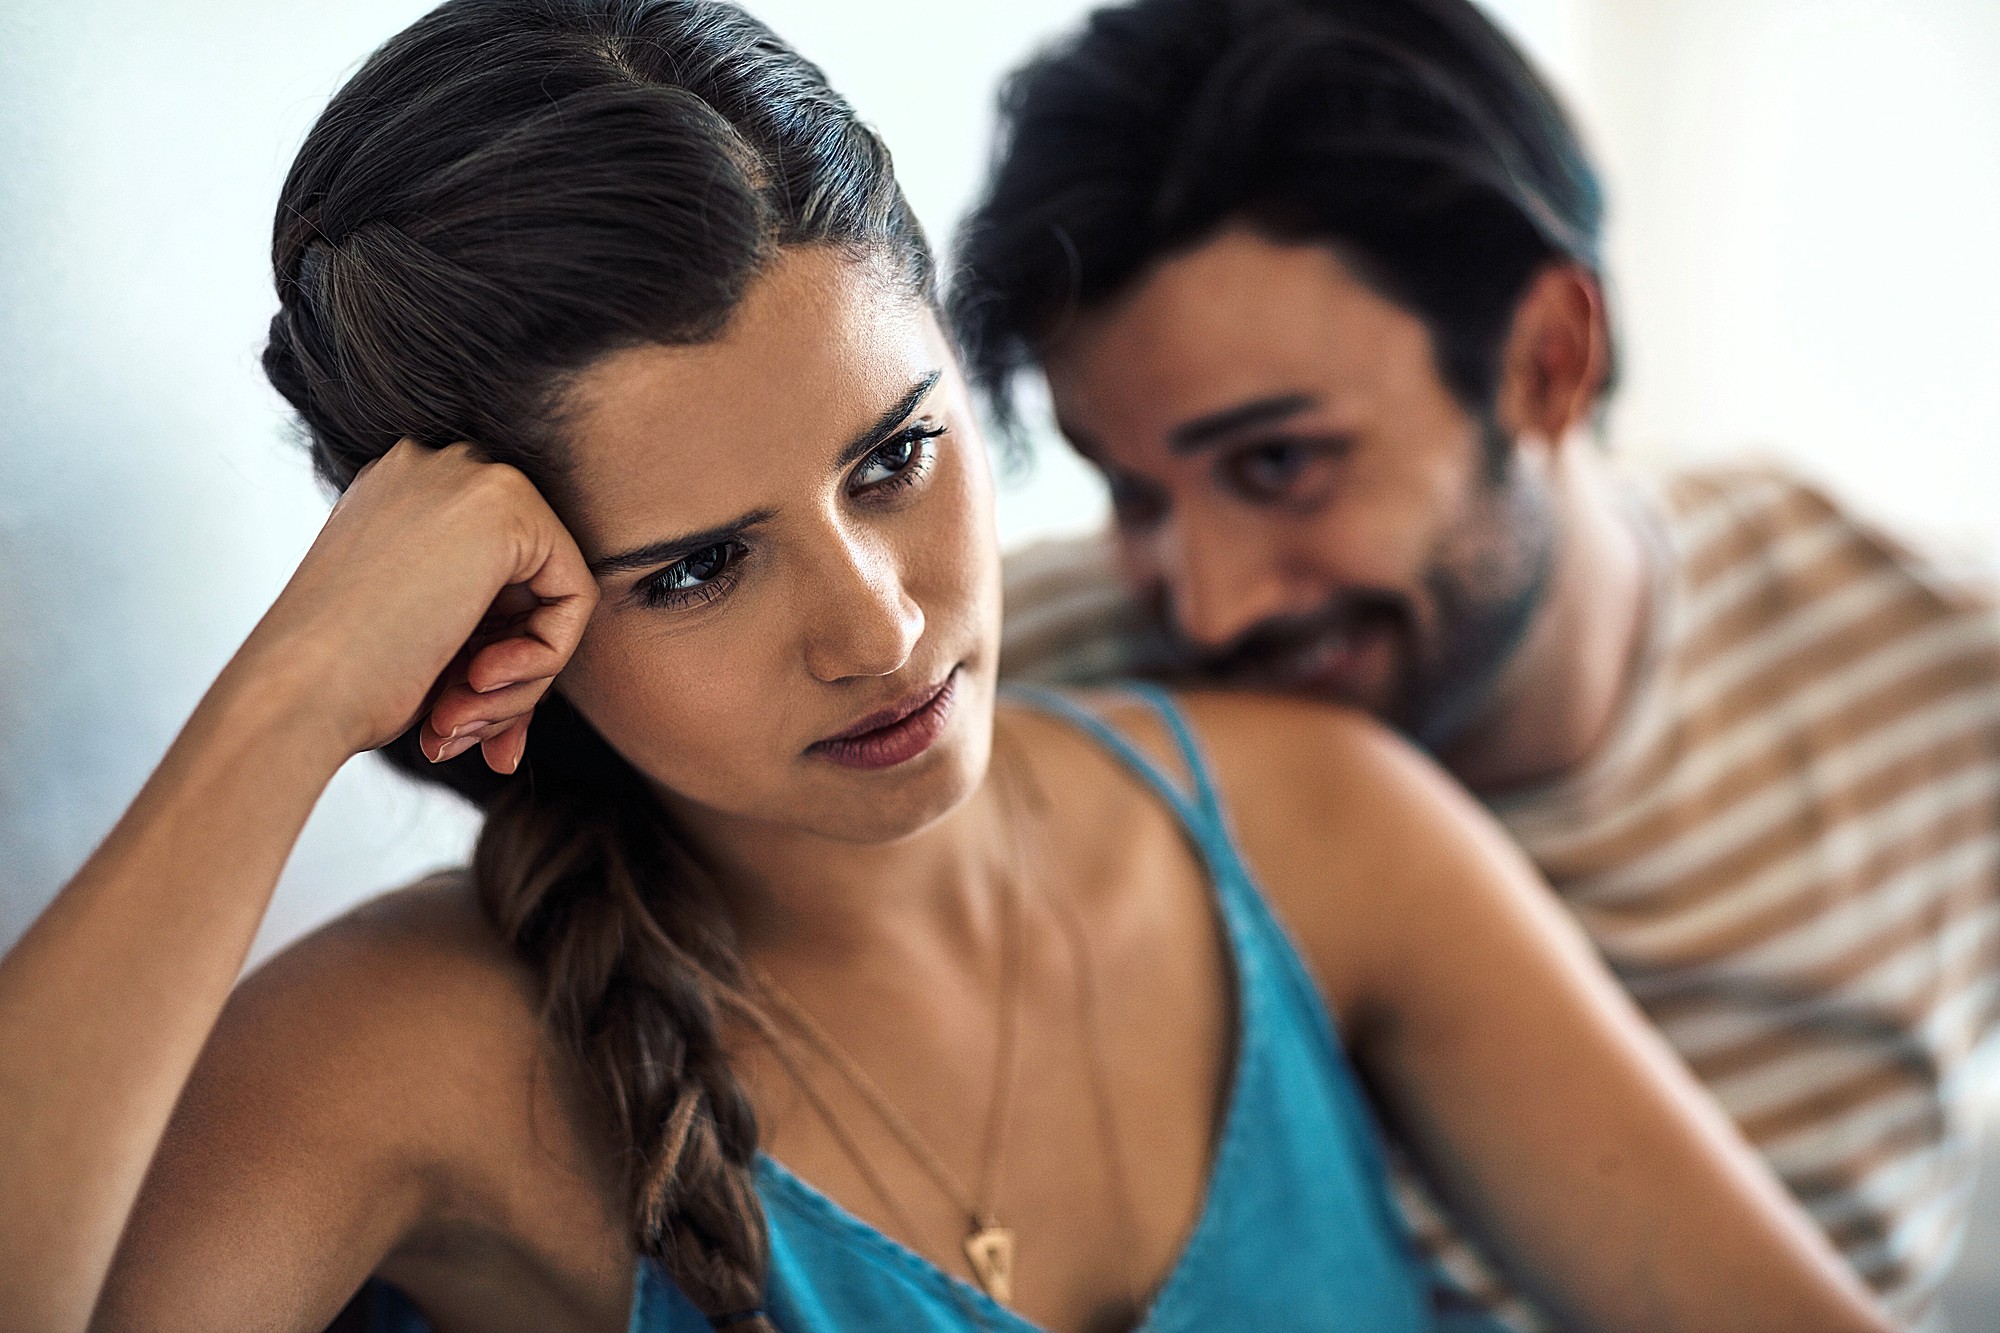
x=1409 y=135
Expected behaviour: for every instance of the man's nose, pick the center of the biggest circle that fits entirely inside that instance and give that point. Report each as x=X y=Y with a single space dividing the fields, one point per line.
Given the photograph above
x=861 y=621
x=1222 y=579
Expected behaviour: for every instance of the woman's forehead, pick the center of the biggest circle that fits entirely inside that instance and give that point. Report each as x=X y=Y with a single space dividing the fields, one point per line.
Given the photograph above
x=821 y=343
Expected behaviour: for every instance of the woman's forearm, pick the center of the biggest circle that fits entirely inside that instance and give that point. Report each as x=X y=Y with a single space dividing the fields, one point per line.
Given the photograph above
x=107 y=1000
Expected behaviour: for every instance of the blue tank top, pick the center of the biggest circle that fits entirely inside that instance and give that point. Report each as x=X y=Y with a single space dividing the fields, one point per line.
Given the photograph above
x=1297 y=1230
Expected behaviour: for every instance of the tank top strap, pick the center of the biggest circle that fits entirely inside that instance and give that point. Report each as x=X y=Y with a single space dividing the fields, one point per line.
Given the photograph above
x=1196 y=803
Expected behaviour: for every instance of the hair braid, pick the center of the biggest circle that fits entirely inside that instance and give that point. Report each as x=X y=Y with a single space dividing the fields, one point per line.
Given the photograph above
x=637 y=968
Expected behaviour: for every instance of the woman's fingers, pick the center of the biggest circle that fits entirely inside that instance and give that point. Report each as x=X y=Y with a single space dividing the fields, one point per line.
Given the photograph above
x=462 y=714
x=503 y=750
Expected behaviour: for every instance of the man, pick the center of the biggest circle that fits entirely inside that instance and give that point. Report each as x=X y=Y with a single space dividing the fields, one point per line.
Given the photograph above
x=1315 y=285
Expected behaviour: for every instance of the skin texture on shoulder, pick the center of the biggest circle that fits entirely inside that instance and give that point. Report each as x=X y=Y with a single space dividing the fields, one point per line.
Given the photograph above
x=383 y=1086
x=1466 y=995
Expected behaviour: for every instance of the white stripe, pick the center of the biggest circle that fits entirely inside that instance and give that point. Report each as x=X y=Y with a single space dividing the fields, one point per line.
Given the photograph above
x=1826 y=1144
x=1676 y=859
x=1799 y=1075
x=1787 y=556
x=1924 y=1240
x=1886 y=992
x=1798 y=629
x=1752 y=737
x=1695 y=529
x=1893 y=1188
x=1836 y=928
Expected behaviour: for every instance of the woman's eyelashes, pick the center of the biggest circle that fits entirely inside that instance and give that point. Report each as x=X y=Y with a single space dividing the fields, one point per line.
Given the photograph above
x=901 y=460
x=697 y=579
x=703 y=576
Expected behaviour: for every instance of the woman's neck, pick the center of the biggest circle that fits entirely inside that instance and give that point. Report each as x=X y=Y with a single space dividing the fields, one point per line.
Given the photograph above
x=792 y=893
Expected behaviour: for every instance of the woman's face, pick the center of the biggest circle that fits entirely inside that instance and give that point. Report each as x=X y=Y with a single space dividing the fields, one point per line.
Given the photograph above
x=792 y=528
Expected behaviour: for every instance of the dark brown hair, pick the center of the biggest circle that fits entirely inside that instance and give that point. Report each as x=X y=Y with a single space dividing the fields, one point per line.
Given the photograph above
x=1410 y=135
x=504 y=193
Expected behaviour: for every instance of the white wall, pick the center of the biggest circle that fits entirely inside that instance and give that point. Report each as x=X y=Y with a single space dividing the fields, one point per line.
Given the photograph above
x=1805 y=195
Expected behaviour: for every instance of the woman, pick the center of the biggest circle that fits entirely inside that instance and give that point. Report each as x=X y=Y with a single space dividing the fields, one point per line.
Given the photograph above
x=769 y=892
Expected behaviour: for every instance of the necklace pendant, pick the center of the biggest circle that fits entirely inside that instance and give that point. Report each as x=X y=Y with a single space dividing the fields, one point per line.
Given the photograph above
x=991 y=1250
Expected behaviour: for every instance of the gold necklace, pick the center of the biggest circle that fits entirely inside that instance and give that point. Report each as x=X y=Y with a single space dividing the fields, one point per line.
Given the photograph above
x=988 y=1245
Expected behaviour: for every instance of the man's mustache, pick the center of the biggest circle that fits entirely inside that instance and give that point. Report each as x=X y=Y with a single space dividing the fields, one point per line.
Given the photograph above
x=1275 y=651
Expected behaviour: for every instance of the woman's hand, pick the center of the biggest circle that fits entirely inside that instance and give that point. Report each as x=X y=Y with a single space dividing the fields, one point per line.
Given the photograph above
x=443 y=587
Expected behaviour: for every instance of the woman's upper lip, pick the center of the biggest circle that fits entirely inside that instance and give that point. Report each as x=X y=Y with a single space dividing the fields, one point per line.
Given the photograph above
x=887 y=717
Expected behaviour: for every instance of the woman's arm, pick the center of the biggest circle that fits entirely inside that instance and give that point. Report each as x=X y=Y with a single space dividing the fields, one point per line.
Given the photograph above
x=1535 y=1096
x=107 y=1000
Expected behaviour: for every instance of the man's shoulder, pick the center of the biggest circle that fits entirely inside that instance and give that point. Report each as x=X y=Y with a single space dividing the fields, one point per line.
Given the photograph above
x=1723 y=520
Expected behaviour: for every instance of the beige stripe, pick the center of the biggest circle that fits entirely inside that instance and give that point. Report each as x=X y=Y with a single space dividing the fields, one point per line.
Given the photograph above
x=1795 y=555
x=1824 y=1146
x=1914 y=669
x=1733 y=830
x=1844 y=913
x=1720 y=520
x=1902 y=638
x=1903 y=633
x=1933 y=987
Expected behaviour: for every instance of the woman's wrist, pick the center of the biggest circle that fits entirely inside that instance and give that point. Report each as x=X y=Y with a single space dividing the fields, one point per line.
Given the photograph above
x=274 y=699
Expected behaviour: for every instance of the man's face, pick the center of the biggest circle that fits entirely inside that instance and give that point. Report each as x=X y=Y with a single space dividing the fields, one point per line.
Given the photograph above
x=1292 y=480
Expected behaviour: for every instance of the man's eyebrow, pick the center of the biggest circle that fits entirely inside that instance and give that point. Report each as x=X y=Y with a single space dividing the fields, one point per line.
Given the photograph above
x=673 y=548
x=1189 y=436
x=868 y=439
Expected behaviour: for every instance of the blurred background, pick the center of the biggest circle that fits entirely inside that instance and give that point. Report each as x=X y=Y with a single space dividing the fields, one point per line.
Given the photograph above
x=1803 y=196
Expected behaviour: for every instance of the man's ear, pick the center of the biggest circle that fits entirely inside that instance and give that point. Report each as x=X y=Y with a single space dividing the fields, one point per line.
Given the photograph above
x=1557 y=355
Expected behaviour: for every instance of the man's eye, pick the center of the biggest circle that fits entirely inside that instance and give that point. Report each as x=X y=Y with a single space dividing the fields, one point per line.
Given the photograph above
x=898 y=460
x=1270 y=467
x=1135 y=505
x=1273 y=470
x=701 y=577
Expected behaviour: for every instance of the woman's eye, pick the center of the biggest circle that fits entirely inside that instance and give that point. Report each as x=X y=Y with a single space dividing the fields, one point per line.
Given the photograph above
x=897 y=461
x=701 y=577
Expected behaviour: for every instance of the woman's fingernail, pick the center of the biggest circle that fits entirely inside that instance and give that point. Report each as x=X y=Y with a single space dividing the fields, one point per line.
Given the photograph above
x=452 y=749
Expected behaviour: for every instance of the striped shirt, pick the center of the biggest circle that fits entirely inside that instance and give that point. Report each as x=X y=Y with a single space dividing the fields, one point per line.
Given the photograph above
x=1787 y=847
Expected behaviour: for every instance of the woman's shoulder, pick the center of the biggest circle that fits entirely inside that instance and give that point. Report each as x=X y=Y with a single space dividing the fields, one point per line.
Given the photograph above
x=376 y=1097
x=406 y=1037
x=408 y=972
x=1339 y=819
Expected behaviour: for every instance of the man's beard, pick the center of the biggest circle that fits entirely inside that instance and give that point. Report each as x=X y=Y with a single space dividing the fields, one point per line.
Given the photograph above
x=1487 y=579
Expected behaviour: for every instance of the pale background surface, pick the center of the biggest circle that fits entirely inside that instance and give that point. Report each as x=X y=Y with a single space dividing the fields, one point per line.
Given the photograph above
x=1803 y=195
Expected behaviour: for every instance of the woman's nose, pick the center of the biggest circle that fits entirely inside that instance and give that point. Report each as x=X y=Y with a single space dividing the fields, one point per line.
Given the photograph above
x=861 y=621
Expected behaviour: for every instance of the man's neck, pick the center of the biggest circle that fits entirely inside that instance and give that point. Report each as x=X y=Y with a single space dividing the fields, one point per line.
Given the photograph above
x=1559 y=697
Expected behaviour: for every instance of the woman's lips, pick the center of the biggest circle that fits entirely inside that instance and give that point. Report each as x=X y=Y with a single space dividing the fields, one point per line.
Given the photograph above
x=895 y=735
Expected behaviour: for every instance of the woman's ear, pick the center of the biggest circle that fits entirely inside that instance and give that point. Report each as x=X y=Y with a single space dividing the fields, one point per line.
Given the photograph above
x=1557 y=355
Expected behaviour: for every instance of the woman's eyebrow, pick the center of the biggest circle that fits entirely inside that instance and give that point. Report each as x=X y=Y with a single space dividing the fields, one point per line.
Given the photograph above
x=889 y=420
x=673 y=548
